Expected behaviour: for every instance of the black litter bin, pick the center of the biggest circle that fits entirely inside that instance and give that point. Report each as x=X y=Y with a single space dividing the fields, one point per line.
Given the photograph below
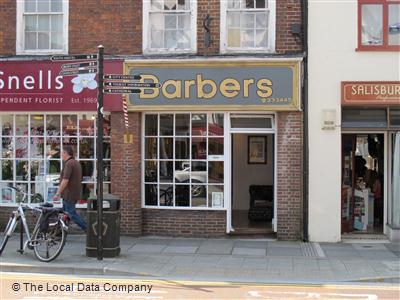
x=111 y=226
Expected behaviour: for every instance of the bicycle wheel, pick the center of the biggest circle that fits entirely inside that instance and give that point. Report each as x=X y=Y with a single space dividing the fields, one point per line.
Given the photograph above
x=48 y=245
x=7 y=234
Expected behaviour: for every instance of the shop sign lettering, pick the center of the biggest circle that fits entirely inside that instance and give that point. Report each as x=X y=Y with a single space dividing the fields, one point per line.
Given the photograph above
x=371 y=93
x=37 y=86
x=240 y=85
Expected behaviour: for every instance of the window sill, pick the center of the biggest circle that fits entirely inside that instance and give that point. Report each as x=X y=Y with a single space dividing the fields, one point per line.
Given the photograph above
x=37 y=52
x=378 y=49
x=184 y=208
x=167 y=52
x=247 y=51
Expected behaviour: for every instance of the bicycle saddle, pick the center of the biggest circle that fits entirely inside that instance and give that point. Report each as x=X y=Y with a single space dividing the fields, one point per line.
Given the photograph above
x=46 y=204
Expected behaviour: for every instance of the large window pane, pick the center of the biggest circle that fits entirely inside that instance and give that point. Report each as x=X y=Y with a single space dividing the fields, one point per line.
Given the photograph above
x=37 y=124
x=166 y=195
x=182 y=148
x=150 y=194
x=216 y=146
x=7 y=170
x=37 y=147
x=166 y=148
x=199 y=124
x=150 y=148
x=150 y=171
x=151 y=122
x=182 y=124
x=166 y=171
x=21 y=124
x=86 y=148
x=182 y=171
x=394 y=24
x=199 y=148
x=182 y=195
x=216 y=124
x=88 y=167
x=167 y=125
x=395 y=117
x=372 y=24
x=21 y=147
x=356 y=118
x=6 y=193
x=7 y=147
x=69 y=125
x=6 y=124
x=216 y=172
x=22 y=170
x=56 y=5
x=216 y=196
x=53 y=125
x=43 y=5
x=86 y=125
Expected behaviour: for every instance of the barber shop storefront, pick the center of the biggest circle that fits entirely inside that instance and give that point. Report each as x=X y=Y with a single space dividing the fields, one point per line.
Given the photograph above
x=220 y=148
x=40 y=113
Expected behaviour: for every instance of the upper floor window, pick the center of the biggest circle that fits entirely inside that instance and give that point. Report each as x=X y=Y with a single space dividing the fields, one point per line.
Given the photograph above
x=247 y=25
x=42 y=26
x=169 y=26
x=378 y=25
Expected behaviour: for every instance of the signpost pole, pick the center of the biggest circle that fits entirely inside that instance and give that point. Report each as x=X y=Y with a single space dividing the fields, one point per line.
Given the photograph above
x=100 y=59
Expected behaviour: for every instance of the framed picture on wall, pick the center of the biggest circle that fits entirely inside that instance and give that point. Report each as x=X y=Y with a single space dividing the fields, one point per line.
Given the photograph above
x=257 y=150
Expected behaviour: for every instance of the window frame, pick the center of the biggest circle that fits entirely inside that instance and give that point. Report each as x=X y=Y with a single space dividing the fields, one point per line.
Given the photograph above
x=20 y=32
x=271 y=30
x=61 y=136
x=146 y=39
x=225 y=205
x=385 y=19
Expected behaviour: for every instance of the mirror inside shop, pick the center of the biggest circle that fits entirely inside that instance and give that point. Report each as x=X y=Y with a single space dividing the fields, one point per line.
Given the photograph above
x=362 y=183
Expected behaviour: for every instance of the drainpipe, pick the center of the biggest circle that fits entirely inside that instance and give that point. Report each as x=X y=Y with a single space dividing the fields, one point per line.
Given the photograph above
x=304 y=13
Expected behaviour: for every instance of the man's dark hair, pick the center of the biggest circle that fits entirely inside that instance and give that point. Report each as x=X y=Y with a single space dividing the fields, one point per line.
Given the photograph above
x=69 y=150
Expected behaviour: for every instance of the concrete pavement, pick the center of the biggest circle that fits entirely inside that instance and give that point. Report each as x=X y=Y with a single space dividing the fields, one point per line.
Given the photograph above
x=235 y=260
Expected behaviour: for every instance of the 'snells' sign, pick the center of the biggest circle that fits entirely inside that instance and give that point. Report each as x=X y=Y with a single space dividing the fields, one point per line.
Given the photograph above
x=370 y=93
x=233 y=85
x=37 y=86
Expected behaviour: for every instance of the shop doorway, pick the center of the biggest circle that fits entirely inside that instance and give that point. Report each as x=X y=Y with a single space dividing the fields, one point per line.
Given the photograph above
x=252 y=183
x=363 y=181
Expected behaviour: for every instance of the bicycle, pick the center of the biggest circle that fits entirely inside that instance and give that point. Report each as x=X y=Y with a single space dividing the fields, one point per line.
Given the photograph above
x=50 y=230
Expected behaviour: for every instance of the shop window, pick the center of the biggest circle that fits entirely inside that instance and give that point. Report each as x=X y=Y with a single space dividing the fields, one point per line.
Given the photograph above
x=183 y=160
x=248 y=25
x=42 y=26
x=367 y=118
x=394 y=117
x=378 y=25
x=30 y=150
x=169 y=26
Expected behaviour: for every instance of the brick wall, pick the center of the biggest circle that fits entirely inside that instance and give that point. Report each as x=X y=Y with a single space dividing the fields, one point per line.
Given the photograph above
x=288 y=12
x=7 y=27
x=289 y=169
x=193 y=223
x=118 y=26
x=126 y=171
x=211 y=8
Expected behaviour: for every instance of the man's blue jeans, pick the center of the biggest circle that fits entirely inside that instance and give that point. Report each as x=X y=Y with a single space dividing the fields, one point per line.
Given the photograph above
x=69 y=207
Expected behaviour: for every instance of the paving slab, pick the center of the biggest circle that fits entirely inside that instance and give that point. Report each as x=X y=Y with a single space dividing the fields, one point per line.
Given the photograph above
x=284 y=251
x=249 y=251
x=369 y=247
x=251 y=244
x=180 y=250
x=220 y=247
x=255 y=263
x=342 y=253
x=147 y=248
x=284 y=244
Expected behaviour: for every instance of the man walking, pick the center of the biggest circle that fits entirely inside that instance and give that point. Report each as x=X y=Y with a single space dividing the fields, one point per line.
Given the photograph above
x=71 y=186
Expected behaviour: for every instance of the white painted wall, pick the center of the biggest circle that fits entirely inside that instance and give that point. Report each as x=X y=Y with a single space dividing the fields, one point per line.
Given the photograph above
x=245 y=174
x=332 y=59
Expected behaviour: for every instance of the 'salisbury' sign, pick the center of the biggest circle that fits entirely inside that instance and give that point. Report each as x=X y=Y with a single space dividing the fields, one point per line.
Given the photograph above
x=232 y=85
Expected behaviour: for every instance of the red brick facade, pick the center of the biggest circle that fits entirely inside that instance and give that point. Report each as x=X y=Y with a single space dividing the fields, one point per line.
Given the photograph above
x=118 y=26
x=289 y=173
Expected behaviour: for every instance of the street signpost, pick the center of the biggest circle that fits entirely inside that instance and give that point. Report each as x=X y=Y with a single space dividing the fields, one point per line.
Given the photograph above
x=68 y=72
x=122 y=91
x=132 y=84
x=116 y=84
x=121 y=77
x=73 y=57
x=79 y=65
